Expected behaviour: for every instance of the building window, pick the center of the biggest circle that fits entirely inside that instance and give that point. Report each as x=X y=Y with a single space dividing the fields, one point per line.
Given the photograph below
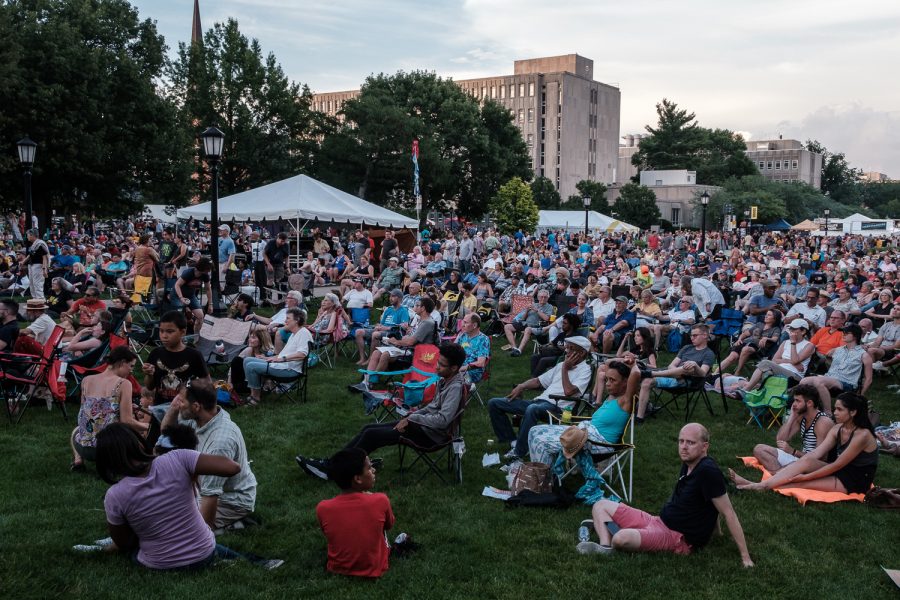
x=778 y=165
x=521 y=90
x=521 y=115
x=658 y=182
x=531 y=115
x=794 y=165
x=502 y=92
x=530 y=140
x=484 y=91
x=769 y=165
x=676 y=215
x=531 y=89
x=493 y=91
x=762 y=165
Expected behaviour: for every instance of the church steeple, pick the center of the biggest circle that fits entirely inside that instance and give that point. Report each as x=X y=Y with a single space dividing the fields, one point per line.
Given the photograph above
x=196 y=29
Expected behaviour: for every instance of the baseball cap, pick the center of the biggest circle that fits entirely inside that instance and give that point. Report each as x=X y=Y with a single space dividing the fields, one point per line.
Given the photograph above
x=581 y=341
x=621 y=299
x=798 y=324
x=397 y=292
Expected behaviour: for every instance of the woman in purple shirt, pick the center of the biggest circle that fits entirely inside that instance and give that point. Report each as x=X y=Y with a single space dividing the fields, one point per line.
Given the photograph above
x=151 y=507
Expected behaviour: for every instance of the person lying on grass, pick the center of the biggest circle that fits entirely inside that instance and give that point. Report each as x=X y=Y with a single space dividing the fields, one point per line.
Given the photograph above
x=806 y=418
x=356 y=521
x=845 y=462
x=151 y=509
x=687 y=520
x=429 y=425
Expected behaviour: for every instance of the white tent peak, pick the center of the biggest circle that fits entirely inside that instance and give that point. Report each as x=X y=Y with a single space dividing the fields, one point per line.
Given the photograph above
x=574 y=220
x=299 y=197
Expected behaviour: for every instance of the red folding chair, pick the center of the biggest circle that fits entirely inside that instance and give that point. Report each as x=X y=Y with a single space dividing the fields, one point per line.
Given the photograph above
x=22 y=374
x=76 y=372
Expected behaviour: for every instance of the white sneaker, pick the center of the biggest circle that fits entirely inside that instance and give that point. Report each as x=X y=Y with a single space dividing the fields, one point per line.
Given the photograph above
x=879 y=366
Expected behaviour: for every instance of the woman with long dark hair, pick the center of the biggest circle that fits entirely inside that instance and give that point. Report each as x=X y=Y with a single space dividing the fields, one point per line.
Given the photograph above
x=844 y=462
x=637 y=345
x=151 y=508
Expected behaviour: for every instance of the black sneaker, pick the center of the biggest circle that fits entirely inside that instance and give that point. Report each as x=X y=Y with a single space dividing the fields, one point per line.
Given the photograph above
x=645 y=373
x=313 y=466
x=377 y=464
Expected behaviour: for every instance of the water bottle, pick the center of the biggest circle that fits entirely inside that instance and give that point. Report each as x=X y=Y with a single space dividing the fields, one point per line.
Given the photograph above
x=220 y=347
x=584 y=534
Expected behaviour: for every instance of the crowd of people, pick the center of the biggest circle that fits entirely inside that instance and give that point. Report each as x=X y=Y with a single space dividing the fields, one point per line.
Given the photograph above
x=591 y=312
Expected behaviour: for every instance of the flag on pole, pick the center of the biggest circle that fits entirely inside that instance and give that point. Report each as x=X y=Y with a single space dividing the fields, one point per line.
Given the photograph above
x=415 y=160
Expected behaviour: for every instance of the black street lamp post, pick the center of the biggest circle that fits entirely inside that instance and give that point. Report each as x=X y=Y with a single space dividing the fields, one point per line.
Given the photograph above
x=704 y=200
x=827 y=214
x=587 y=206
x=213 y=139
x=27 y=149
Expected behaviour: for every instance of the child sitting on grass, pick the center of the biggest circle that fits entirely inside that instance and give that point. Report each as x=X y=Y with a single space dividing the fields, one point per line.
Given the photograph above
x=356 y=521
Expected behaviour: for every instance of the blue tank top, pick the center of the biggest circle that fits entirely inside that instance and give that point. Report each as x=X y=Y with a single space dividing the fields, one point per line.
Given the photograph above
x=609 y=420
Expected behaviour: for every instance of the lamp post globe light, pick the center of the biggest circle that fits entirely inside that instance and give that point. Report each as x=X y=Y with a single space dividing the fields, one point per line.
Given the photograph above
x=586 y=200
x=704 y=200
x=213 y=139
x=27 y=149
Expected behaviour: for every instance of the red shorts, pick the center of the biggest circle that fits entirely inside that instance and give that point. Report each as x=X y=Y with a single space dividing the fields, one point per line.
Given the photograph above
x=655 y=536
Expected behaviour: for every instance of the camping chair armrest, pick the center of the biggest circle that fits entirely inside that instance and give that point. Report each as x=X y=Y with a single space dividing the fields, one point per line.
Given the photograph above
x=612 y=446
x=384 y=373
x=21 y=360
x=577 y=400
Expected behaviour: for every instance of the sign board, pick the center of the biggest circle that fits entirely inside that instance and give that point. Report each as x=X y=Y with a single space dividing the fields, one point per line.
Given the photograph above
x=753 y=212
x=873 y=225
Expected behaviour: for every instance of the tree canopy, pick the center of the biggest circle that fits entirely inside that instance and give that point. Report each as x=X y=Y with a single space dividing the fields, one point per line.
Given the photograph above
x=545 y=194
x=678 y=142
x=513 y=207
x=80 y=78
x=838 y=177
x=466 y=150
x=636 y=205
x=270 y=130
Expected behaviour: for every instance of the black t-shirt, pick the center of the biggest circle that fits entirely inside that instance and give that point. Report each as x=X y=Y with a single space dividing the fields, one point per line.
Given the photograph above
x=690 y=510
x=388 y=248
x=276 y=253
x=174 y=369
x=193 y=281
x=36 y=256
x=9 y=332
x=59 y=301
x=167 y=251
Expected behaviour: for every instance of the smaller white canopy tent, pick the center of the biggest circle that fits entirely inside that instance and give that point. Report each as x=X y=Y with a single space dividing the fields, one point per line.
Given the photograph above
x=573 y=220
x=158 y=213
x=299 y=198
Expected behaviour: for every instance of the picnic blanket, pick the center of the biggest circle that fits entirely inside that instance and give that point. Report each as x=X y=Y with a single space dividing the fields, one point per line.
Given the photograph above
x=803 y=495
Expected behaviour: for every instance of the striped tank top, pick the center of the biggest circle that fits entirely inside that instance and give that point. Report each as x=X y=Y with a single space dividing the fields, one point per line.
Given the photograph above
x=808 y=434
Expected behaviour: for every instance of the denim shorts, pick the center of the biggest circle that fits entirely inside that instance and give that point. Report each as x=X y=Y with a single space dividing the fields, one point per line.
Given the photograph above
x=668 y=382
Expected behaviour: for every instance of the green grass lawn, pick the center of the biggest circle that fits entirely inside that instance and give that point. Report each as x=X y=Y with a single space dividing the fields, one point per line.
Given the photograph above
x=472 y=547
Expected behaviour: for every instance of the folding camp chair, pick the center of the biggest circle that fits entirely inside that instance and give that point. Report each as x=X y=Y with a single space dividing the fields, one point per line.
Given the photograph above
x=325 y=345
x=454 y=445
x=91 y=363
x=232 y=289
x=517 y=304
x=360 y=318
x=485 y=376
x=22 y=374
x=693 y=391
x=290 y=383
x=616 y=467
x=231 y=333
x=767 y=403
x=724 y=329
x=415 y=388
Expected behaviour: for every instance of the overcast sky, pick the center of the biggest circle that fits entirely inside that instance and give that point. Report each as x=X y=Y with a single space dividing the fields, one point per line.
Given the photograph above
x=825 y=69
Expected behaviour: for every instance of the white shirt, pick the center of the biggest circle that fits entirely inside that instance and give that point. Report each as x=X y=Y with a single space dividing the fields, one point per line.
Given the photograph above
x=298 y=342
x=602 y=309
x=42 y=327
x=580 y=377
x=815 y=315
x=358 y=299
x=786 y=354
x=681 y=316
x=706 y=293
x=257 y=251
x=492 y=262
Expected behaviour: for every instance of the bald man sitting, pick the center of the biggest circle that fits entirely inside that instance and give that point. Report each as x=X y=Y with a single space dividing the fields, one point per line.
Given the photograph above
x=686 y=522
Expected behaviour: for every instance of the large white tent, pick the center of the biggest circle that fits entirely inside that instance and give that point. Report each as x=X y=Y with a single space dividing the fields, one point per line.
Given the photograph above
x=299 y=198
x=160 y=212
x=573 y=220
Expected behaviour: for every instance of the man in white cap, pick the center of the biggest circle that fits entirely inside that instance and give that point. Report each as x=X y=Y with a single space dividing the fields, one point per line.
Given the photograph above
x=570 y=377
x=226 y=252
x=41 y=324
x=790 y=360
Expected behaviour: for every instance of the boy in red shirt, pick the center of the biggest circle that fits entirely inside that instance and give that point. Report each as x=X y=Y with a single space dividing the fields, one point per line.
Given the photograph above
x=355 y=522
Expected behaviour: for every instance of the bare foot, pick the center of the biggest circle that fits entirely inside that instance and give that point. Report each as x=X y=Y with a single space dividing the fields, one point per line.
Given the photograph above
x=737 y=479
x=756 y=487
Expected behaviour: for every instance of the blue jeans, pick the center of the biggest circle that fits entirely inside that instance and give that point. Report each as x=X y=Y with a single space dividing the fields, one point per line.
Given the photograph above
x=532 y=411
x=256 y=368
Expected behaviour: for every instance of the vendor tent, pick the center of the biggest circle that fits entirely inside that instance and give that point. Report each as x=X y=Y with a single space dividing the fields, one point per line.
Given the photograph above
x=779 y=225
x=159 y=212
x=299 y=198
x=806 y=225
x=573 y=220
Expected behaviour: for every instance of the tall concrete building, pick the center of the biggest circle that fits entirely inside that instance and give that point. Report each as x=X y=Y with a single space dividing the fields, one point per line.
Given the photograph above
x=786 y=160
x=626 y=170
x=569 y=122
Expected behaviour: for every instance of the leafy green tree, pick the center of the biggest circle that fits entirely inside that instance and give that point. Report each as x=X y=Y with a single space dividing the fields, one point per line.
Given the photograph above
x=596 y=191
x=792 y=201
x=636 y=206
x=270 y=130
x=545 y=194
x=513 y=207
x=836 y=172
x=466 y=150
x=86 y=91
x=678 y=142
x=881 y=197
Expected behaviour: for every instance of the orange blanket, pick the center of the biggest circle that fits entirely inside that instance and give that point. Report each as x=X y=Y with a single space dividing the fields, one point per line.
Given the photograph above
x=802 y=495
